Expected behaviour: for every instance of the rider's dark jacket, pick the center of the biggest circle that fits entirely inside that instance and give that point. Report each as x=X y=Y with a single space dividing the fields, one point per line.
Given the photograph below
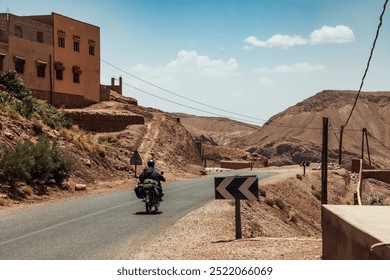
x=151 y=173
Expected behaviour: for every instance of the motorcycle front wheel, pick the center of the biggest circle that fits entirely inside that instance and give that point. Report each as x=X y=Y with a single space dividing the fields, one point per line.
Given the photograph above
x=148 y=206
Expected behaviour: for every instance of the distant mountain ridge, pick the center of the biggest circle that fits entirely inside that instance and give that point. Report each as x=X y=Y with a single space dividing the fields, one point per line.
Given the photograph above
x=215 y=130
x=295 y=134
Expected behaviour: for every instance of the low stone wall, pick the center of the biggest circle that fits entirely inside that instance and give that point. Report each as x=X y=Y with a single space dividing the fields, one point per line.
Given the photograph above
x=355 y=166
x=381 y=175
x=235 y=164
x=63 y=100
x=105 y=93
x=102 y=121
x=355 y=232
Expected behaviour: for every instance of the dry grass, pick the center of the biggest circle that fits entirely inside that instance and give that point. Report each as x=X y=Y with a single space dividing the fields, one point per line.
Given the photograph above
x=83 y=140
x=27 y=190
x=4 y=202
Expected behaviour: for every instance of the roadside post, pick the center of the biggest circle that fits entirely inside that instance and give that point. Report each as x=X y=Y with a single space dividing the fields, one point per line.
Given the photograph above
x=305 y=164
x=237 y=188
x=135 y=160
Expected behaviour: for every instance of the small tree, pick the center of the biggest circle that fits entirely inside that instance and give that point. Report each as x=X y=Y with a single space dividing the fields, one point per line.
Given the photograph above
x=27 y=162
x=16 y=165
x=14 y=84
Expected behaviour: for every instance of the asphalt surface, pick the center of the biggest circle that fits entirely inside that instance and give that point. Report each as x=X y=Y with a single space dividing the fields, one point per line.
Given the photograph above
x=92 y=227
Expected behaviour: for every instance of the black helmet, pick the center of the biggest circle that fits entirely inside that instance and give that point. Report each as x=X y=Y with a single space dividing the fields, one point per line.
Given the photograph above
x=151 y=163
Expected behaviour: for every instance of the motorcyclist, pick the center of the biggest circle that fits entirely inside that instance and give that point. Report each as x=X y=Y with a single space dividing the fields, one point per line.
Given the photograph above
x=150 y=172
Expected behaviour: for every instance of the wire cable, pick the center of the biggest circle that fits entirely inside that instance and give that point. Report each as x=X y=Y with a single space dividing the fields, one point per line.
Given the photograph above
x=368 y=62
x=379 y=142
x=181 y=96
x=183 y=105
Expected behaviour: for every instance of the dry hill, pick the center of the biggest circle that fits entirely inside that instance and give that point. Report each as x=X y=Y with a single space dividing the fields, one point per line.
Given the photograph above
x=295 y=134
x=100 y=157
x=217 y=135
x=215 y=130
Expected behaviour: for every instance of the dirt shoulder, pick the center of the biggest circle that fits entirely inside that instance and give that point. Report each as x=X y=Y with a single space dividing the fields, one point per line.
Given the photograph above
x=208 y=233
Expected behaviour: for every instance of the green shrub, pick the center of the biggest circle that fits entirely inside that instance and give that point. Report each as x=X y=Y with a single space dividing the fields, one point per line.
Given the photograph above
x=269 y=202
x=16 y=165
x=109 y=141
x=18 y=98
x=376 y=199
x=280 y=204
x=317 y=194
x=51 y=115
x=14 y=84
x=28 y=162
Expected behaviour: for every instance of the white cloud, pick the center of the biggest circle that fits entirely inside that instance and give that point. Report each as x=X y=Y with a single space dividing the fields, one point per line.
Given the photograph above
x=298 y=68
x=187 y=65
x=328 y=35
x=252 y=42
x=266 y=81
x=283 y=41
x=295 y=68
x=195 y=65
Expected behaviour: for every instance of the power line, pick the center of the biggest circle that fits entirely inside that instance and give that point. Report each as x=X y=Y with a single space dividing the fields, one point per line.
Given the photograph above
x=379 y=142
x=368 y=62
x=181 y=96
x=183 y=105
x=201 y=110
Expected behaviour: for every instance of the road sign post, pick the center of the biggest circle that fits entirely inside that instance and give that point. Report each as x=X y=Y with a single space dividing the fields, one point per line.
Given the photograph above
x=135 y=160
x=238 y=219
x=237 y=188
x=305 y=164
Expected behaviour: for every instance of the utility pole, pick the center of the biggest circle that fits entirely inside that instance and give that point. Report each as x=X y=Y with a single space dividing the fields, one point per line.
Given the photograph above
x=51 y=80
x=368 y=148
x=363 y=130
x=341 y=145
x=324 y=166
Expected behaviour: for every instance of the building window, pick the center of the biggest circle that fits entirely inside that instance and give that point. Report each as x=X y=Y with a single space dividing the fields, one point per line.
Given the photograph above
x=39 y=36
x=76 y=43
x=61 y=41
x=19 y=64
x=41 y=69
x=59 y=74
x=76 y=46
x=59 y=68
x=91 y=44
x=91 y=50
x=18 y=31
x=76 y=74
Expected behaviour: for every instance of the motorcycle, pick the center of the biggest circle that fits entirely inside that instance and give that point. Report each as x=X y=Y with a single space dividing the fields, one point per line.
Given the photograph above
x=150 y=193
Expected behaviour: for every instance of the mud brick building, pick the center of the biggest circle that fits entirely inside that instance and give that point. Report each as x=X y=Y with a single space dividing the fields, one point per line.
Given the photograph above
x=57 y=57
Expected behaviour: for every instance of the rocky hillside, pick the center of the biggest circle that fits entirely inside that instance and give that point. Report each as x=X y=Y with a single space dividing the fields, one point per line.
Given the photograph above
x=105 y=156
x=217 y=135
x=295 y=134
x=215 y=131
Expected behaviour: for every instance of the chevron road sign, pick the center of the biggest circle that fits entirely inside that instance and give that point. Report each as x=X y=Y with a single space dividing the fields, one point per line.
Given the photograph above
x=237 y=187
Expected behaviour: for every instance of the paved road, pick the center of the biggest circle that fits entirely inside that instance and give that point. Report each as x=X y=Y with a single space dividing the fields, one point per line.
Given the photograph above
x=91 y=228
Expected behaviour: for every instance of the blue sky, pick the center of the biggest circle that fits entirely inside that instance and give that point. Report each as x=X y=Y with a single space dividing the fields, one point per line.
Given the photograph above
x=252 y=58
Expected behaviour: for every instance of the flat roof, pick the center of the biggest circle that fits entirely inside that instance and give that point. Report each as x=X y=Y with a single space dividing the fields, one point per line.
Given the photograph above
x=373 y=220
